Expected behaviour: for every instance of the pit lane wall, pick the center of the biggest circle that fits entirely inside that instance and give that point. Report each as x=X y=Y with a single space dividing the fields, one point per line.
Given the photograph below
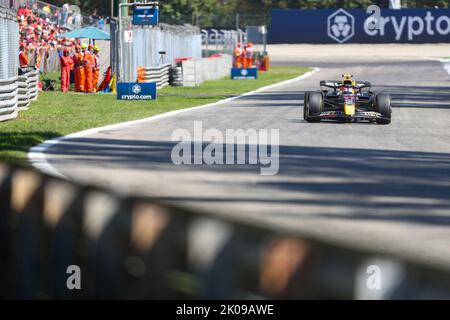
x=141 y=248
x=356 y=26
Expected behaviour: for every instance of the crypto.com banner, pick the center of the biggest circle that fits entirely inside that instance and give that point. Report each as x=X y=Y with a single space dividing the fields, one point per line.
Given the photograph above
x=357 y=26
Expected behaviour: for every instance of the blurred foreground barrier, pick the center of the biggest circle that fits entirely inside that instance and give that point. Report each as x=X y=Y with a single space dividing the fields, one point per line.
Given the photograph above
x=195 y=71
x=139 y=248
x=160 y=75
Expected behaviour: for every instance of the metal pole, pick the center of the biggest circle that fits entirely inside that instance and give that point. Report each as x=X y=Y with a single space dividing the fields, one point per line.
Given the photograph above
x=119 y=44
x=124 y=3
x=237 y=21
x=112 y=9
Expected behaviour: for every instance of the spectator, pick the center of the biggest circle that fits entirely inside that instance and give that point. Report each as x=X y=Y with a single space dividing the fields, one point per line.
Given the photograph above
x=101 y=23
x=24 y=60
x=64 y=14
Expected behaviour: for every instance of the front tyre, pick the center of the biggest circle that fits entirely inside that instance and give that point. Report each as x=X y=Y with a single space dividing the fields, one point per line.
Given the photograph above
x=383 y=106
x=313 y=106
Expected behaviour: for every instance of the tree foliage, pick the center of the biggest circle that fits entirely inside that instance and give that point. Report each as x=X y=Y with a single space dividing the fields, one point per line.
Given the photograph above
x=215 y=11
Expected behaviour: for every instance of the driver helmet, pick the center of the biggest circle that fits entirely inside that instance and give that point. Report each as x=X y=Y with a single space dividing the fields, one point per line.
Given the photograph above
x=347 y=80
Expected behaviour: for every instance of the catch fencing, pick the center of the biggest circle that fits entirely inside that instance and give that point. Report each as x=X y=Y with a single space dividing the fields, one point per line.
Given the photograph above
x=16 y=90
x=221 y=41
x=140 y=248
x=152 y=47
x=9 y=63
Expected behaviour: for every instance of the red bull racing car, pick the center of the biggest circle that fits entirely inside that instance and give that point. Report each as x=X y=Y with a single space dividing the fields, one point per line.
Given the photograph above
x=348 y=101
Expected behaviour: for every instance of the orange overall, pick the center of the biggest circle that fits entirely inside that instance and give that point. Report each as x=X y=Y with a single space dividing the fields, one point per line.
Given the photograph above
x=96 y=71
x=23 y=59
x=79 y=72
x=89 y=63
x=66 y=66
x=238 y=57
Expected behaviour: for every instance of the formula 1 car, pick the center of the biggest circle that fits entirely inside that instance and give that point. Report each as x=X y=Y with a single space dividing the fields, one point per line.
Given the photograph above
x=349 y=101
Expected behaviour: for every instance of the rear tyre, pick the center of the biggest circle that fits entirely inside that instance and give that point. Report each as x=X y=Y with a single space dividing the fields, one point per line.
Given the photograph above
x=383 y=106
x=313 y=106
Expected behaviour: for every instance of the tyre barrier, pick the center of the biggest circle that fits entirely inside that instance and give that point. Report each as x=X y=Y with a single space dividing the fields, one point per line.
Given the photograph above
x=160 y=75
x=32 y=82
x=23 y=93
x=176 y=76
x=16 y=93
x=55 y=234
x=8 y=99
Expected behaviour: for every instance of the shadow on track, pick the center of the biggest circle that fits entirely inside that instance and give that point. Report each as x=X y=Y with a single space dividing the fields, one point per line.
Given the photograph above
x=398 y=183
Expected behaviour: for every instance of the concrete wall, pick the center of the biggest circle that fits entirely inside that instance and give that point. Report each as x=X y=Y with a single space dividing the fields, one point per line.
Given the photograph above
x=196 y=71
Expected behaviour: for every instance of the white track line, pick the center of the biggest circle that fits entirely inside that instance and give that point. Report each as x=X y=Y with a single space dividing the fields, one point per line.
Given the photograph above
x=36 y=155
x=446 y=64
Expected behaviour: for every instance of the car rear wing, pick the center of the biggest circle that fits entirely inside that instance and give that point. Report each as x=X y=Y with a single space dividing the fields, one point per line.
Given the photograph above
x=333 y=84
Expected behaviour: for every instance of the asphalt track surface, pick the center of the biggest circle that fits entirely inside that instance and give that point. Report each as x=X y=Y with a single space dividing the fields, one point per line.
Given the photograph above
x=383 y=188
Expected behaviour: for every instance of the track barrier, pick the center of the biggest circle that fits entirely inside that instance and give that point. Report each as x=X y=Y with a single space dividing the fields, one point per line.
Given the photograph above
x=129 y=247
x=196 y=71
x=160 y=75
x=16 y=93
x=8 y=99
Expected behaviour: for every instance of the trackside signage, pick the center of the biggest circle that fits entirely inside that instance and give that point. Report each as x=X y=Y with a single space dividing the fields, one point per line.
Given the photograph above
x=244 y=73
x=356 y=26
x=136 y=91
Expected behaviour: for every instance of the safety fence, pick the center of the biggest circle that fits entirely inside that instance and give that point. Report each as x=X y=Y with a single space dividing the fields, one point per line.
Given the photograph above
x=55 y=234
x=9 y=62
x=160 y=75
x=221 y=41
x=161 y=44
x=47 y=59
x=9 y=44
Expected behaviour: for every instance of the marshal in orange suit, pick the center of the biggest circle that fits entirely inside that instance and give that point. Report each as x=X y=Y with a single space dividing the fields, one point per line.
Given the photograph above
x=79 y=69
x=89 y=62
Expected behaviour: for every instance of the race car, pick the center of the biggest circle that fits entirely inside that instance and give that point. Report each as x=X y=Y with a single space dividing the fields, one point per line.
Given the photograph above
x=349 y=101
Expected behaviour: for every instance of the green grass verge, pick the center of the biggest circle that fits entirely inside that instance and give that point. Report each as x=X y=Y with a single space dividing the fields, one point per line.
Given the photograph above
x=55 y=114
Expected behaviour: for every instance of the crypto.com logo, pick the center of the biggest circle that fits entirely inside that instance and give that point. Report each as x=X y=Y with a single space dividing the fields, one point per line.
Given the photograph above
x=341 y=26
x=136 y=89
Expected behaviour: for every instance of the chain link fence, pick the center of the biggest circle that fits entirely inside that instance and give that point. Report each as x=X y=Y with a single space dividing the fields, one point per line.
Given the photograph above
x=9 y=44
x=161 y=44
x=9 y=62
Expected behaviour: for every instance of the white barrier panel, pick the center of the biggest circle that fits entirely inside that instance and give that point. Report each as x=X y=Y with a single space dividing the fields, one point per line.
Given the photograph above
x=196 y=71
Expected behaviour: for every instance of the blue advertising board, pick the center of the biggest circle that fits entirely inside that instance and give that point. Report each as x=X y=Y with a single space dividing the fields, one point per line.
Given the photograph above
x=244 y=73
x=145 y=15
x=357 y=26
x=136 y=91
